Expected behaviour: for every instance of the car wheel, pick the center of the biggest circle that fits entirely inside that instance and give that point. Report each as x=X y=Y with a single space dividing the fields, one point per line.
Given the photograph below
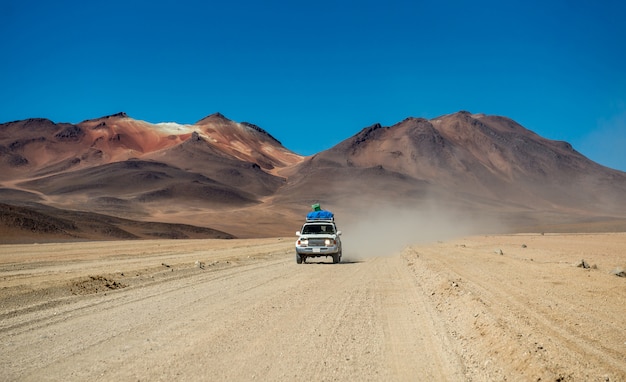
x=298 y=258
x=336 y=258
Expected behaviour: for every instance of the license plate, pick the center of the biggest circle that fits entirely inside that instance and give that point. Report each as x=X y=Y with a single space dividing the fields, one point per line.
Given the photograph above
x=316 y=250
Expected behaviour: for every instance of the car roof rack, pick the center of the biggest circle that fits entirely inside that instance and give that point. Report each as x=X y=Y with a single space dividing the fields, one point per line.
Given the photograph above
x=319 y=220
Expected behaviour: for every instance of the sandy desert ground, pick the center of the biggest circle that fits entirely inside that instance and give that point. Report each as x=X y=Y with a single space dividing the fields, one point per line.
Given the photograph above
x=480 y=308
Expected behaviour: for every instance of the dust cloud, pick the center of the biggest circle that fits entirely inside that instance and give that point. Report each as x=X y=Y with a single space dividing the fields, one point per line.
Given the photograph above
x=386 y=231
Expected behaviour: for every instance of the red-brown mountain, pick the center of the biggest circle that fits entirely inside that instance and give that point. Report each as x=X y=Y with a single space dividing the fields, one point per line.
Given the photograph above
x=134 y=169
x=474 y=165
x=237 y=178
x=36 y=147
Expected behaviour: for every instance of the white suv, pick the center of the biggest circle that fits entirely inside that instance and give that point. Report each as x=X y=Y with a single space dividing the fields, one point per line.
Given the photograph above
x=318 y=238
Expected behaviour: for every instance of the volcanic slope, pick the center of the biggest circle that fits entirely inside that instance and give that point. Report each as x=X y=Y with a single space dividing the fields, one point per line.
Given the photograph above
x=467 y=163
x=128 y=168
x=237 y=178
x=37 y=146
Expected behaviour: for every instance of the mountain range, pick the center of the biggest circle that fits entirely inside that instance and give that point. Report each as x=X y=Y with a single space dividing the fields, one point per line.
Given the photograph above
x=117 y=177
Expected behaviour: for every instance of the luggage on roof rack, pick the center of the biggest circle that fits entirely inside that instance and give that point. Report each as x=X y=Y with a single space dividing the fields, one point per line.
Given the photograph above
x=320 y=215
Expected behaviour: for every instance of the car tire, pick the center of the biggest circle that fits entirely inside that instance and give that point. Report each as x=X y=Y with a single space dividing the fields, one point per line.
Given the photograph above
x=299 y=259
x=336 y=258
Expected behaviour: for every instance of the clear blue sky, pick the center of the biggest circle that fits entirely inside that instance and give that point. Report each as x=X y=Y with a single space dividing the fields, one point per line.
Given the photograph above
x=314 y=73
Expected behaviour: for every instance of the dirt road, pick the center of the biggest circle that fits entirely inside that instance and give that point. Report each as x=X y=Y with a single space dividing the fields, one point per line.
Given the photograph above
x=244 y=310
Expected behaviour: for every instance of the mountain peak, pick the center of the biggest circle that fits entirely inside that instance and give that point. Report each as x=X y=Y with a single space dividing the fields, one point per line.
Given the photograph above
x=410 y=120
x=215 y=117
x=121 y=114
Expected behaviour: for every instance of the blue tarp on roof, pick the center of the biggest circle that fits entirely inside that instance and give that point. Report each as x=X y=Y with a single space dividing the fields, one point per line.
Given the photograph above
x=320 y=215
